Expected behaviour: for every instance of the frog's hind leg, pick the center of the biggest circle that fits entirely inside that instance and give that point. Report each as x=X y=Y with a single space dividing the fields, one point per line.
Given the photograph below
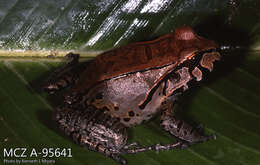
x=180 y=129
x=65 y=76
x=93 y=129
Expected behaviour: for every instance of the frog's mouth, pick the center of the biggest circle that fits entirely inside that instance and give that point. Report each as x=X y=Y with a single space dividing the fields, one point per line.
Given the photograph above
x=203 y=62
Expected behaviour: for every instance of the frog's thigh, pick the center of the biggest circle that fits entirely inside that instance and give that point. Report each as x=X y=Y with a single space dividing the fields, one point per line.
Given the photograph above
x=180 y=128
x=94 y=130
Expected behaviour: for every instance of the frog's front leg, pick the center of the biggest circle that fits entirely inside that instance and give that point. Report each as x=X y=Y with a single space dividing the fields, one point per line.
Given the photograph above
x=65 y=76
x=179 y=128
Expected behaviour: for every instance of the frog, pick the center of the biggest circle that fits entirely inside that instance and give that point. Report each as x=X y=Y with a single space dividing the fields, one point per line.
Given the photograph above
x=130 y=85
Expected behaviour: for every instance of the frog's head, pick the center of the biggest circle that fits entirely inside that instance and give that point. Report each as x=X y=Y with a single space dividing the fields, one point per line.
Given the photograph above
x=196 y=53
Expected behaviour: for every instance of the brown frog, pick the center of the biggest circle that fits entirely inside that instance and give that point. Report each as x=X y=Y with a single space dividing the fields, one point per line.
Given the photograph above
x=129 y=85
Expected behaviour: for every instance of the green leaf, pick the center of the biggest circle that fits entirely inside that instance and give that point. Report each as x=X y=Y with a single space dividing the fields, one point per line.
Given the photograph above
x=103 y=24
x=227 y=103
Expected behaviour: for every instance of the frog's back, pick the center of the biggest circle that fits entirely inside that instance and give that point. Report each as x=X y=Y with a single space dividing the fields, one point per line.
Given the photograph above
x=141 y=56
x=128 y=59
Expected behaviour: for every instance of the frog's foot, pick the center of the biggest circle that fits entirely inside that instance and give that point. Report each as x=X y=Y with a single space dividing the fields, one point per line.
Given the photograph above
x=184 y=132
x=157 y=147
x=54 y=85
x=131 y=145
x=65 y=76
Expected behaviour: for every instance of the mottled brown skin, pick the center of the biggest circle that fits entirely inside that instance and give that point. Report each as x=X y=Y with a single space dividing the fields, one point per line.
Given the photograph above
x=128 y=86
x=173 y=48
